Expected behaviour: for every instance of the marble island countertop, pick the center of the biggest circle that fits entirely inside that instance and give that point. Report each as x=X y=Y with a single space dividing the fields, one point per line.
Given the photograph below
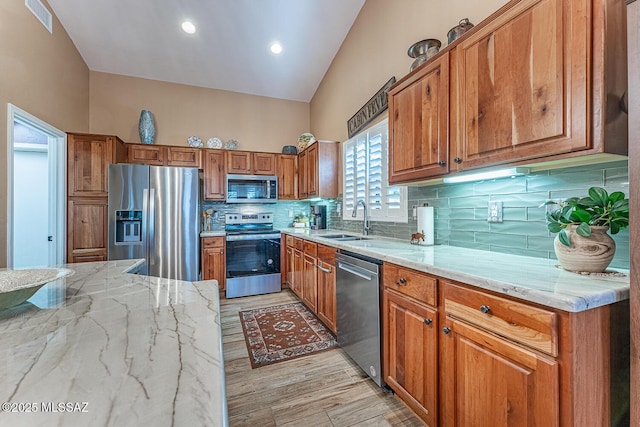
x=115 y=349
x=532 y=279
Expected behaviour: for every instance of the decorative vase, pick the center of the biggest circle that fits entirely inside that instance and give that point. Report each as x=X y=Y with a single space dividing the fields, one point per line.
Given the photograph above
x=147 y=127
x=586 y=254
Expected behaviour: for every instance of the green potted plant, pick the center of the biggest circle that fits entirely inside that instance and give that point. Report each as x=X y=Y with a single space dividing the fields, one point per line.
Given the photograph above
x=582 y=243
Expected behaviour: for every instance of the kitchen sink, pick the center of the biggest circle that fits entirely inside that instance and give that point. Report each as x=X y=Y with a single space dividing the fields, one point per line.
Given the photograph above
x=344 y=237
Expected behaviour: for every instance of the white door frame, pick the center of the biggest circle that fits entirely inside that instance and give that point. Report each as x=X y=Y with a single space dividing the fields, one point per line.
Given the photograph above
x=57 y=176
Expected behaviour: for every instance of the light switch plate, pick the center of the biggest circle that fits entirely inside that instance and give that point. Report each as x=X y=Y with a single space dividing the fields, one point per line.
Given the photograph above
x=495 y=211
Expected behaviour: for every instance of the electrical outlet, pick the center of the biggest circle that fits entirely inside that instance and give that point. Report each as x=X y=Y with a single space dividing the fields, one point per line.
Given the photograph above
x=495 y=211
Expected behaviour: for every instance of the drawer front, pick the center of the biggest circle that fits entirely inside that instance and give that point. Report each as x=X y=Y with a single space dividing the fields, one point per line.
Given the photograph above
x=327 y=254
x=310 y=248
x=415 y=284
x=213 y=242
x=289 y=240
x=298 y=243
x=520 y=322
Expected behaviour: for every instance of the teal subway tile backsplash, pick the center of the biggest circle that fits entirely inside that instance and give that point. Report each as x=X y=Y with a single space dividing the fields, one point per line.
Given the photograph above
x=461 y=210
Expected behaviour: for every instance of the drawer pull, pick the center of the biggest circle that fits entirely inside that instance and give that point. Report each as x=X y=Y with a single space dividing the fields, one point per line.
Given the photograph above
x=428 y=321
x=402 y=281
x=446 y=330
x=485 y=309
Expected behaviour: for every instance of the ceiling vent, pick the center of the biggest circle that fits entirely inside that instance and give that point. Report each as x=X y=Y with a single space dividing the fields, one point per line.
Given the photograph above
x=41 y=12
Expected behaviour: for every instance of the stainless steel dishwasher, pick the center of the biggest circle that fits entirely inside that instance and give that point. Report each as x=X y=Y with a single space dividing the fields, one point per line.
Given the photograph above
x=358 y=311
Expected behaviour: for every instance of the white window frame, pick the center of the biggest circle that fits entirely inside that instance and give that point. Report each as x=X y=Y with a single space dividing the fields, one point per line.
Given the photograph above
x=381 y=211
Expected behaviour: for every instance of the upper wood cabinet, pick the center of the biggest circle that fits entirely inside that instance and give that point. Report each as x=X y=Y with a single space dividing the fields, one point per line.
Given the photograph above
x=419 y=124
x=537 y=81
x=88 y=159
x=263 y=163
x=214 y=175
x=318 y=170
x=147 y=154
x=184 y=157
x=251 y=163
x=523 y=84
x=287 y=167
x=164 y=155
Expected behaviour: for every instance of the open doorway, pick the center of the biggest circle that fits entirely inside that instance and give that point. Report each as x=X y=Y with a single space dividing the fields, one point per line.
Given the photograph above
x=36 y=191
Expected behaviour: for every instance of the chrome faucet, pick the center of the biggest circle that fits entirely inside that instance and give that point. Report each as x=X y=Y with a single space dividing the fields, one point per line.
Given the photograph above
x=365 y=224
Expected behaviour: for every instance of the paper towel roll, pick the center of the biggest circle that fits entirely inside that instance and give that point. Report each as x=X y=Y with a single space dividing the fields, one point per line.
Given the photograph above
x=425 y=223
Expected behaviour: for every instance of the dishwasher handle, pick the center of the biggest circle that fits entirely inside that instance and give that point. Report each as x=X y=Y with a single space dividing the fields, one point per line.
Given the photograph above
x=360 y=272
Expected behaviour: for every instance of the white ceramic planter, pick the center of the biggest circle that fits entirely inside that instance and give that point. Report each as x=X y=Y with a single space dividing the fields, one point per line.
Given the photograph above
x=589 y=254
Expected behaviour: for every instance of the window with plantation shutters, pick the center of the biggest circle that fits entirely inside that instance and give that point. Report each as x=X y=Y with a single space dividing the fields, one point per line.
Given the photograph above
x=365 y=177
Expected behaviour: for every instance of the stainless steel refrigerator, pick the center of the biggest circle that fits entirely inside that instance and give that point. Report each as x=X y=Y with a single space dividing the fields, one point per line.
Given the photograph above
x=154 y=214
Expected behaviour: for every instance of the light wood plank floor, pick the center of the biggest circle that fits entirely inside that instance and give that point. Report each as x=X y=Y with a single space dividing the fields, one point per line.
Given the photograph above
x=324 y=389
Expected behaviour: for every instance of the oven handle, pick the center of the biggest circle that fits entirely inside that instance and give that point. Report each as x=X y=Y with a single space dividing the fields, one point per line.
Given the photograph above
x=236 y=237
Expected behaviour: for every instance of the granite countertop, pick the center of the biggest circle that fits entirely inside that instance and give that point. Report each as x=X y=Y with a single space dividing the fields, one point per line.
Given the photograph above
x=531 y=279
x=116 y=349
x=216 y=233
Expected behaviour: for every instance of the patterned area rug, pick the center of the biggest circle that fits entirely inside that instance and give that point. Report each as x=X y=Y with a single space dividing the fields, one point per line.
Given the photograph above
x=283 y=332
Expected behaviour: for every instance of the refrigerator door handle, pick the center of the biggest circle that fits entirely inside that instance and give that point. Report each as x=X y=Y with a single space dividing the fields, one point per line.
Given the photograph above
x=145 y=223
x=152 y=226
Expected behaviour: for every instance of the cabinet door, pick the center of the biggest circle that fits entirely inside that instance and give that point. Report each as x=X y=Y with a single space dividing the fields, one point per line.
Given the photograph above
x=184 y=156
x=151 y=155
x=291 y=257
x=303 y=189
x=239 y=162
x=263 y=163
x=309 y=283
x=312 y=171
x=214 y=175
x=419 y=125
x=411 y=353
x=489 y=381
x=87 y=230
x=287 y=176
x=327 y=294
x=524 y=84
x=88 y=158
x=298 y=270
x=213 y=265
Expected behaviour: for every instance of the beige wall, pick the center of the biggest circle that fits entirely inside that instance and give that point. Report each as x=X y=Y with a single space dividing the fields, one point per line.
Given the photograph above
x=41 y=73
x=257 y=123
x=376 y=49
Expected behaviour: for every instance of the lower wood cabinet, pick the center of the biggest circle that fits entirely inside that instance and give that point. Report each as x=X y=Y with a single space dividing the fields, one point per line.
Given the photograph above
x=462 y=356
x=312 y=277
x=297 y=275
x=326 y=309
x=87 y=230
x=213 y=256
x=489 y=381
x=411 y=353
x=309 y=277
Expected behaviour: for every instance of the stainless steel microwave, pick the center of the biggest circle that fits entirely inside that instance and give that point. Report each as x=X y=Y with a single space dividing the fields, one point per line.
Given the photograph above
x=252 y=188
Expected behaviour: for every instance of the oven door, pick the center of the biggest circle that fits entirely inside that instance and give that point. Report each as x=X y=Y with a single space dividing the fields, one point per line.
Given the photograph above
x=253 y=265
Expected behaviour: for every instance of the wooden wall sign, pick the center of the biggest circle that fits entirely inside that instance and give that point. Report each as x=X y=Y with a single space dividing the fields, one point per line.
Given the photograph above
x=371 y=109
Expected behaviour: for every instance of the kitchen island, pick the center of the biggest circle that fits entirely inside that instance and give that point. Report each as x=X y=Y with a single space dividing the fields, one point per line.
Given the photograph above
x=106 y=347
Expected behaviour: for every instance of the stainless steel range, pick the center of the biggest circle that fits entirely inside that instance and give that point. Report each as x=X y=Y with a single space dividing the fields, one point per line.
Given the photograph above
x=253 y=254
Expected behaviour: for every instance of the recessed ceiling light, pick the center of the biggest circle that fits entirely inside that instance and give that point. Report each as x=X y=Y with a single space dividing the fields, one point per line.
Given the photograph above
x=188 y=27
x=276 y=48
